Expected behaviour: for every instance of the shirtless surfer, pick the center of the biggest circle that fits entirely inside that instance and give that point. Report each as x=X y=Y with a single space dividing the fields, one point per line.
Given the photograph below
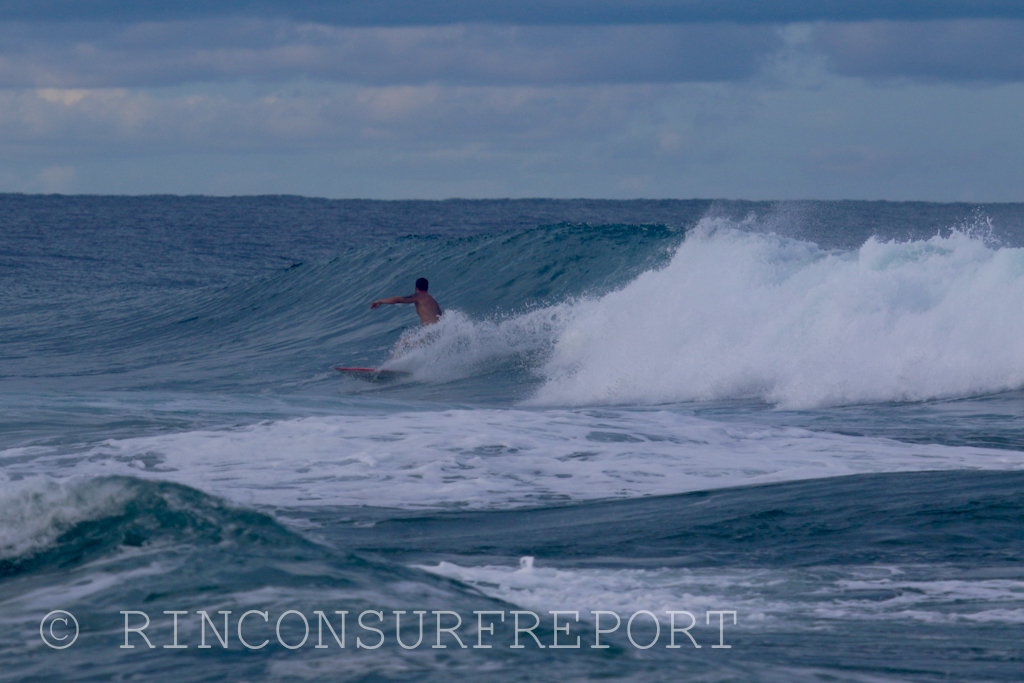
x=426 y=306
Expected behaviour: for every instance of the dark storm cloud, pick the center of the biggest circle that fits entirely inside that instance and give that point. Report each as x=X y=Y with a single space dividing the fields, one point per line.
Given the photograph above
x=220 y=50
x=965 y=50
x=522 y=12
x=115 y=43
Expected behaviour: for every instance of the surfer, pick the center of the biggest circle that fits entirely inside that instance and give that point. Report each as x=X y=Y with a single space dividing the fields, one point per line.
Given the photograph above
x=426 y=307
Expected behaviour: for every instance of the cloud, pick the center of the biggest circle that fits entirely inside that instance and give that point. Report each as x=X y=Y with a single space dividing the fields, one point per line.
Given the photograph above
x=843 y=139
x=175 y=53
x=427 y=119
x=262 y=98
x=964 y=50
x=219 y=51
x=519 y=12
x=56 y=178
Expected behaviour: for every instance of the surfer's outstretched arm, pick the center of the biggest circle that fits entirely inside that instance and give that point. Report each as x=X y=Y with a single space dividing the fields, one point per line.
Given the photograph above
x=394 y=300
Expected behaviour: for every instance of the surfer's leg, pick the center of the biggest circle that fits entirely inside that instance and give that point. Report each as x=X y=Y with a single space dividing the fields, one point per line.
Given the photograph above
x=413 y=338
x=404 y=344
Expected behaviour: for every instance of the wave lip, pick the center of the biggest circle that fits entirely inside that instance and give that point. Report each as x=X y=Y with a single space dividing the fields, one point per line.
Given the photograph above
x=739 y=314
x=36 y=511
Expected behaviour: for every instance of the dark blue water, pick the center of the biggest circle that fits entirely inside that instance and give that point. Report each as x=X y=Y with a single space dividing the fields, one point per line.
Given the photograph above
x=807 y=414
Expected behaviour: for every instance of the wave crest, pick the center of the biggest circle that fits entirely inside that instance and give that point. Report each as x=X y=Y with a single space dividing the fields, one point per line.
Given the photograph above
x=738 y=314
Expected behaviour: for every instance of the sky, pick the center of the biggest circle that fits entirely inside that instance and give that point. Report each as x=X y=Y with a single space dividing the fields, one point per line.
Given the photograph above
x=738 y=99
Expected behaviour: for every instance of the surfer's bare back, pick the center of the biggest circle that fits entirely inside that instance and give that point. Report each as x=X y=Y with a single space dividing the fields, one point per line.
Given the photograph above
x=426 y=306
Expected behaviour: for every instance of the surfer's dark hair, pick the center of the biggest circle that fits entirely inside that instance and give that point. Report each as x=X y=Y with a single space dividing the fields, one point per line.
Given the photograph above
x=422 y=284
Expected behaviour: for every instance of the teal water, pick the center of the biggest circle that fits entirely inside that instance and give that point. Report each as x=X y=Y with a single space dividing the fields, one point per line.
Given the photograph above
x=808 y=414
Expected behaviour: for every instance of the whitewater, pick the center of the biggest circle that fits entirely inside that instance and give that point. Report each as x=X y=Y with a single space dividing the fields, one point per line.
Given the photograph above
x=809 y=414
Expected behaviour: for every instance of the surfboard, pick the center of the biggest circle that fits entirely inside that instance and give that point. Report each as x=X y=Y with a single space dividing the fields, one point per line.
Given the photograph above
x=373 y=374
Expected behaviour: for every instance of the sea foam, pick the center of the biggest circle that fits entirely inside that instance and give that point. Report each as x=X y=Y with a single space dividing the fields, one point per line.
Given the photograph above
x=495 y=458
x=741 y=314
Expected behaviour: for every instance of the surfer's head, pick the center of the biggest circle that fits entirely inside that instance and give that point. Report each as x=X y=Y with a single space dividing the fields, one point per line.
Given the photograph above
x=422 y=284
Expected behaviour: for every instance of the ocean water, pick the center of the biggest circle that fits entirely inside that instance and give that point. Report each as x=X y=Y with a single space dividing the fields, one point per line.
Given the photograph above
x=790 y=433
